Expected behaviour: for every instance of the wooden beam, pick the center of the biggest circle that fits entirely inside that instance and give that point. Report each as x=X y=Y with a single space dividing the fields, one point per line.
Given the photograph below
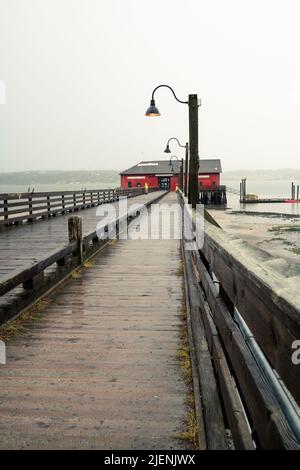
x=212 y=412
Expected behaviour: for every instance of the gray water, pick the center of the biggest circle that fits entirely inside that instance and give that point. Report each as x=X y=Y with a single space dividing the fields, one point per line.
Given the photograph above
x=263 y=188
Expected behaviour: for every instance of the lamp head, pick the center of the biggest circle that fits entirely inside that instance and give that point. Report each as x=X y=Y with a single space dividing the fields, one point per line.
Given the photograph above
x=167 y=149
x=152 y=110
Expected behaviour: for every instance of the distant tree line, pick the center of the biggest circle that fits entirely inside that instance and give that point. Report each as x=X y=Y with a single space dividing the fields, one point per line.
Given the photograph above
x=59 y=177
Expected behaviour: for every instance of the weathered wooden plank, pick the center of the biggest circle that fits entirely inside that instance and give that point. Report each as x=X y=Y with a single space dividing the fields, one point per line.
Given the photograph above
x=212 y=412
x=240 y=430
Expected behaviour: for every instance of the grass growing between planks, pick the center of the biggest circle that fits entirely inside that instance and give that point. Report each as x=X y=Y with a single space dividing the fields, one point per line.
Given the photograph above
x=75 y=274
x=17 y=326
x=190 y=434
x=180 y=270
x=88 y=264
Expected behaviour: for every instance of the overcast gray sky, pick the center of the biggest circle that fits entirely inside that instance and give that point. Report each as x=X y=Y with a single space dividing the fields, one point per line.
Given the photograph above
x=79 y=76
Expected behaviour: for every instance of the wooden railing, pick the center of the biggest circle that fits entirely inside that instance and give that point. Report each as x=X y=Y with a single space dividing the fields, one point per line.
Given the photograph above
x=255 y=378
x=26 y=207
x=70 y=256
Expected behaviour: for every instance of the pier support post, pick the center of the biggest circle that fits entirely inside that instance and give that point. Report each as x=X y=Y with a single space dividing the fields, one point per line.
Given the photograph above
x=75 y=234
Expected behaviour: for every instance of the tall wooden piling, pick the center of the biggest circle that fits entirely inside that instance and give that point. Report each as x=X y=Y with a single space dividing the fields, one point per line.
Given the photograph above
x=75 y=234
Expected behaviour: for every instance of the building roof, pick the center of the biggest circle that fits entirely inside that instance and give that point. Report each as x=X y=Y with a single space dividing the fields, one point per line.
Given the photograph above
x=163 y=167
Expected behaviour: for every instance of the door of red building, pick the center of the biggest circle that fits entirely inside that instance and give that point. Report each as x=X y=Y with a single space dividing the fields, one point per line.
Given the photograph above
x=164 y=182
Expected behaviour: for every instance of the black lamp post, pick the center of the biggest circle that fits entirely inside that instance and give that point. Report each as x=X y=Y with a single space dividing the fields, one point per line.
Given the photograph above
x=193 y=139
x=180 y=182
x=185 y=176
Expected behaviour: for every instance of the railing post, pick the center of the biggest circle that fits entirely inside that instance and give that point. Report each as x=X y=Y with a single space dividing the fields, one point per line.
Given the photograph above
x=74 y=201
x=5 y=208
x=48 y=206
x=63 y=203
x=75 y=234
x=30 y=208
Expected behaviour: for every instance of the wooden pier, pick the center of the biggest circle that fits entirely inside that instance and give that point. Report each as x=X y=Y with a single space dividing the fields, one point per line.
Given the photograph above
x=98 y=362
x=99 y=368
x=254 y=199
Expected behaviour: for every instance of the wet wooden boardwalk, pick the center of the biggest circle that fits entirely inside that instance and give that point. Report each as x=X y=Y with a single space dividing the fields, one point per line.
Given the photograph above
x=26 y=243
x=99 y=368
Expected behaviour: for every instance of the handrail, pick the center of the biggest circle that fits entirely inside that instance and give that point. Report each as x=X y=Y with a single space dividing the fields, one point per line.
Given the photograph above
x=236 y=277
x=26 y=207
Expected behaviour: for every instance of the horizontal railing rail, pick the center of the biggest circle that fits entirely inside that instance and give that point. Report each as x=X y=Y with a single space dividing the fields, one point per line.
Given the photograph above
x=221 y=187
x=26 y=207
x=235 y=280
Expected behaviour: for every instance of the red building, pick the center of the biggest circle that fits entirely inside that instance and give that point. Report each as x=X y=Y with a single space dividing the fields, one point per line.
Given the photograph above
x=162 y=174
